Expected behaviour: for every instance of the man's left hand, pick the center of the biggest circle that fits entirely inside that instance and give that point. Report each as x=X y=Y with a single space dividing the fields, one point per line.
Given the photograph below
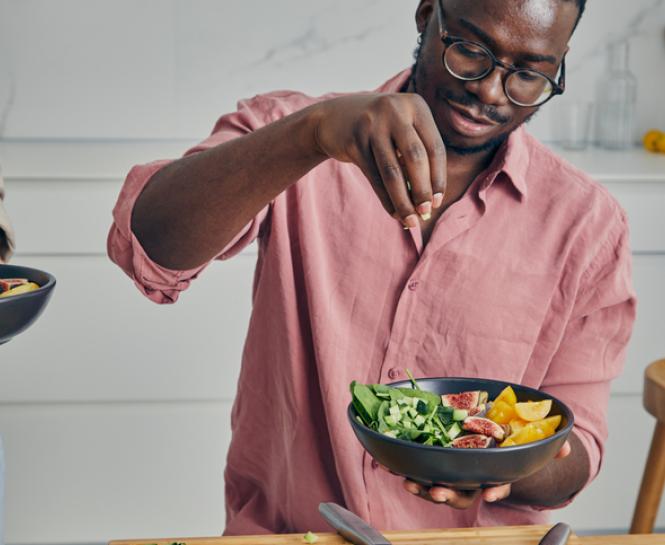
x=463 y=499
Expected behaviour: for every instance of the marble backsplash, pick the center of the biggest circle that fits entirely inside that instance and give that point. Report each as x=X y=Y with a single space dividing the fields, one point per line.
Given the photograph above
x=167 y=69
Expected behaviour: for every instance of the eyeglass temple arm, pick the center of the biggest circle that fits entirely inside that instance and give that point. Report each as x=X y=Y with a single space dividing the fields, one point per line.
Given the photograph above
x=439 y=16
x=562 y=77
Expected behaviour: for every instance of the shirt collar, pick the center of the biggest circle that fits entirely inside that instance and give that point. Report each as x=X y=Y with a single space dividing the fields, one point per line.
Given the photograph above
x=511 y=159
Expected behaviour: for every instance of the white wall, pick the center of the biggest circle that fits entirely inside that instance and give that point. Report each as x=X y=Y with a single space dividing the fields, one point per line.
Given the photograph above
x=115 y=411
x=164 y=69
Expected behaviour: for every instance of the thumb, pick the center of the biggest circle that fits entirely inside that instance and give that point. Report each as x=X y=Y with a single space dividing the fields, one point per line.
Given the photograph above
x=564 y=451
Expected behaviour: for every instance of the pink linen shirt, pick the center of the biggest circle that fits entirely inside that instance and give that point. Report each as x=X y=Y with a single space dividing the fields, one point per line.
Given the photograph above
x=527 y=279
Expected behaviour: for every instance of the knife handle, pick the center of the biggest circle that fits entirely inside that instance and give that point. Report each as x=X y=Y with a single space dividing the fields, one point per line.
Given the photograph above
x=557 y=535
x=351 y=527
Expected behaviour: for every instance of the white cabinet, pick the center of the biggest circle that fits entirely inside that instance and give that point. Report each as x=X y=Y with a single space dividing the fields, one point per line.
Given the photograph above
x=115 y=411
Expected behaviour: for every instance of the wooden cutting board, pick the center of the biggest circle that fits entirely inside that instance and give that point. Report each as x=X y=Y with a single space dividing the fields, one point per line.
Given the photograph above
x=506 y=535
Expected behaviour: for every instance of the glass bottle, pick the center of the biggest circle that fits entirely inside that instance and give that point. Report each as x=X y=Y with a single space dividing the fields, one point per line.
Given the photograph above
x=616 y=100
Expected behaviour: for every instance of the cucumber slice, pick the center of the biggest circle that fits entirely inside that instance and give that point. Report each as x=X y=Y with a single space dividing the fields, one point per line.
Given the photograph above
x=460 y=414
x=454 y=430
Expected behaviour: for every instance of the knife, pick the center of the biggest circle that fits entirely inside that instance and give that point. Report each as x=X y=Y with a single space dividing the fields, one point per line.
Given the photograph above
x=557 y=535
x=351 y=527
x=354 y=529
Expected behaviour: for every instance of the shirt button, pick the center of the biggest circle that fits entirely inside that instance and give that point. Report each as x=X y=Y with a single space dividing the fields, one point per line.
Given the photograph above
x=393 y=373
x=413 y=285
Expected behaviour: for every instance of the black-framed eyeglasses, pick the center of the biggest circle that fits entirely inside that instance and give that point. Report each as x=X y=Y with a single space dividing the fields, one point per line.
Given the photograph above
x=470 y=61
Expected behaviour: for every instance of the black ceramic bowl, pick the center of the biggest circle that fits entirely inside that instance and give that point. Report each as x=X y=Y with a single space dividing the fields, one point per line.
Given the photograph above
x=18 y=312
x=465 y=469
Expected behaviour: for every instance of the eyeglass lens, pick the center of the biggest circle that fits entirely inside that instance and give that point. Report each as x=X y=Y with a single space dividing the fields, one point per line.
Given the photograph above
x=469 y=61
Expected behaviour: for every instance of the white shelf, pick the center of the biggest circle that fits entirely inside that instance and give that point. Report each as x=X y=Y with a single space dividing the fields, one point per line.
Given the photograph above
x=90 y=160
x=609 y=166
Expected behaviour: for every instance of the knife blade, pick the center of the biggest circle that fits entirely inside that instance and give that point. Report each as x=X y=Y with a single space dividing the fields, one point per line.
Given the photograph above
x=557 y=535
x=350 y=526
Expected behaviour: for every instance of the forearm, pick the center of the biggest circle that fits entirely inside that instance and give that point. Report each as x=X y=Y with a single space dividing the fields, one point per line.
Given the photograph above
x=557 y=482
x=192 y=208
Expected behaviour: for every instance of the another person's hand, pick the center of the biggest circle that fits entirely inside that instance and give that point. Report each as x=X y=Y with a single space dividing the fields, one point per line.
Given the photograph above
x=393 y=139
x=464 y=499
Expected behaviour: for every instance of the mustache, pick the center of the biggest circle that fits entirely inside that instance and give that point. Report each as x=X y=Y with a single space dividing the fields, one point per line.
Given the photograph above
x=467 y=100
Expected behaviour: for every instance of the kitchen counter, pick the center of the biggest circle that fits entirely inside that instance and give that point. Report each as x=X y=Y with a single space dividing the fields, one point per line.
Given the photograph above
x=506 y=535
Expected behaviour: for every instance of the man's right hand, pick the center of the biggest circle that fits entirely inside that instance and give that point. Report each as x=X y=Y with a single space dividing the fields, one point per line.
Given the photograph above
x=393 y=139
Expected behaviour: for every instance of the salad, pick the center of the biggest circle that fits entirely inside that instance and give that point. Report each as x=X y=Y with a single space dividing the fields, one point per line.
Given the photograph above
x=461 y=420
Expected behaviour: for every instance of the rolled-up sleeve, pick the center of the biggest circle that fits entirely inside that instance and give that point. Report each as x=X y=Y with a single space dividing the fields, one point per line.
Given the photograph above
x=593 y=349
x=160 y=284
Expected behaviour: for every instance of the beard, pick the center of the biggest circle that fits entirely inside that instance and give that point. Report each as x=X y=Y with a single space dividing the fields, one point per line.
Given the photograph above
x=419 y=73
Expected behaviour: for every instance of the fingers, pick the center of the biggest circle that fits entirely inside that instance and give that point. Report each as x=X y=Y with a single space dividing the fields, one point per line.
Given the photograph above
x=436 y=153
x=393 y=179
x=496 y=493
x=371 y=172
x=457 y=499
x=564 y=451
x=388 y=470
x=416 y=165
x=397 y=145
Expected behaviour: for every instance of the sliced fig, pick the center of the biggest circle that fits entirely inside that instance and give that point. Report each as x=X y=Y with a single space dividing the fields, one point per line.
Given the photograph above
x=463 y=400
x=480 y=410
x=484 y=426
x=8 y=283
x=473 y=441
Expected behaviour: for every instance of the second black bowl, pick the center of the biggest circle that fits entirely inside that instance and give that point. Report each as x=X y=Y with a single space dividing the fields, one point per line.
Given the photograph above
x=18 y=312
x=465 y=469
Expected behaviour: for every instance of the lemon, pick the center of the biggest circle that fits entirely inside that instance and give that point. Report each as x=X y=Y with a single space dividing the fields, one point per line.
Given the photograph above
x=660 y=143
x=651 y=139
x=507 y=395
x=23 y=288
x=548 y=425
x=516 y=424
x=527 y=434
x=501 y=412
x=533 y=410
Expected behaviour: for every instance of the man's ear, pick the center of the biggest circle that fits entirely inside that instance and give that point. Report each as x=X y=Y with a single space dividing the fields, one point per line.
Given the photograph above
x=424 y=13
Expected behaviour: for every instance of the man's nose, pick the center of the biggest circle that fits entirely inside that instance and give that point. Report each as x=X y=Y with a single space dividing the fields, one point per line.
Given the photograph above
x=489 y=90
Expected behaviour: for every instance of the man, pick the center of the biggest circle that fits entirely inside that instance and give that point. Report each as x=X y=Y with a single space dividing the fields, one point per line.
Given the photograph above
x=416 y=226
x=6 y=232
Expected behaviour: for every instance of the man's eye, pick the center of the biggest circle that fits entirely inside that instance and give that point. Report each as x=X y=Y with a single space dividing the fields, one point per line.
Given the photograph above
x=471 y=51
x=528 y=76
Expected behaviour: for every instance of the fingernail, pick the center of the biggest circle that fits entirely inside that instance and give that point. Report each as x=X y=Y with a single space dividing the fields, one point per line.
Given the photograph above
x=438 y=497
x=425 y=210
x=437 y=200
x=413 y=488
x=411 y=221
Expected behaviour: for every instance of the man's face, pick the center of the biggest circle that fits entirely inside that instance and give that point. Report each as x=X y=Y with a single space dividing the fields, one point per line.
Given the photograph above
x=474 y=116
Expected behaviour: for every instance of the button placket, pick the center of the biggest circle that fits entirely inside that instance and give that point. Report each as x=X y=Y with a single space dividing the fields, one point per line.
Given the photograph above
x=406 y=306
